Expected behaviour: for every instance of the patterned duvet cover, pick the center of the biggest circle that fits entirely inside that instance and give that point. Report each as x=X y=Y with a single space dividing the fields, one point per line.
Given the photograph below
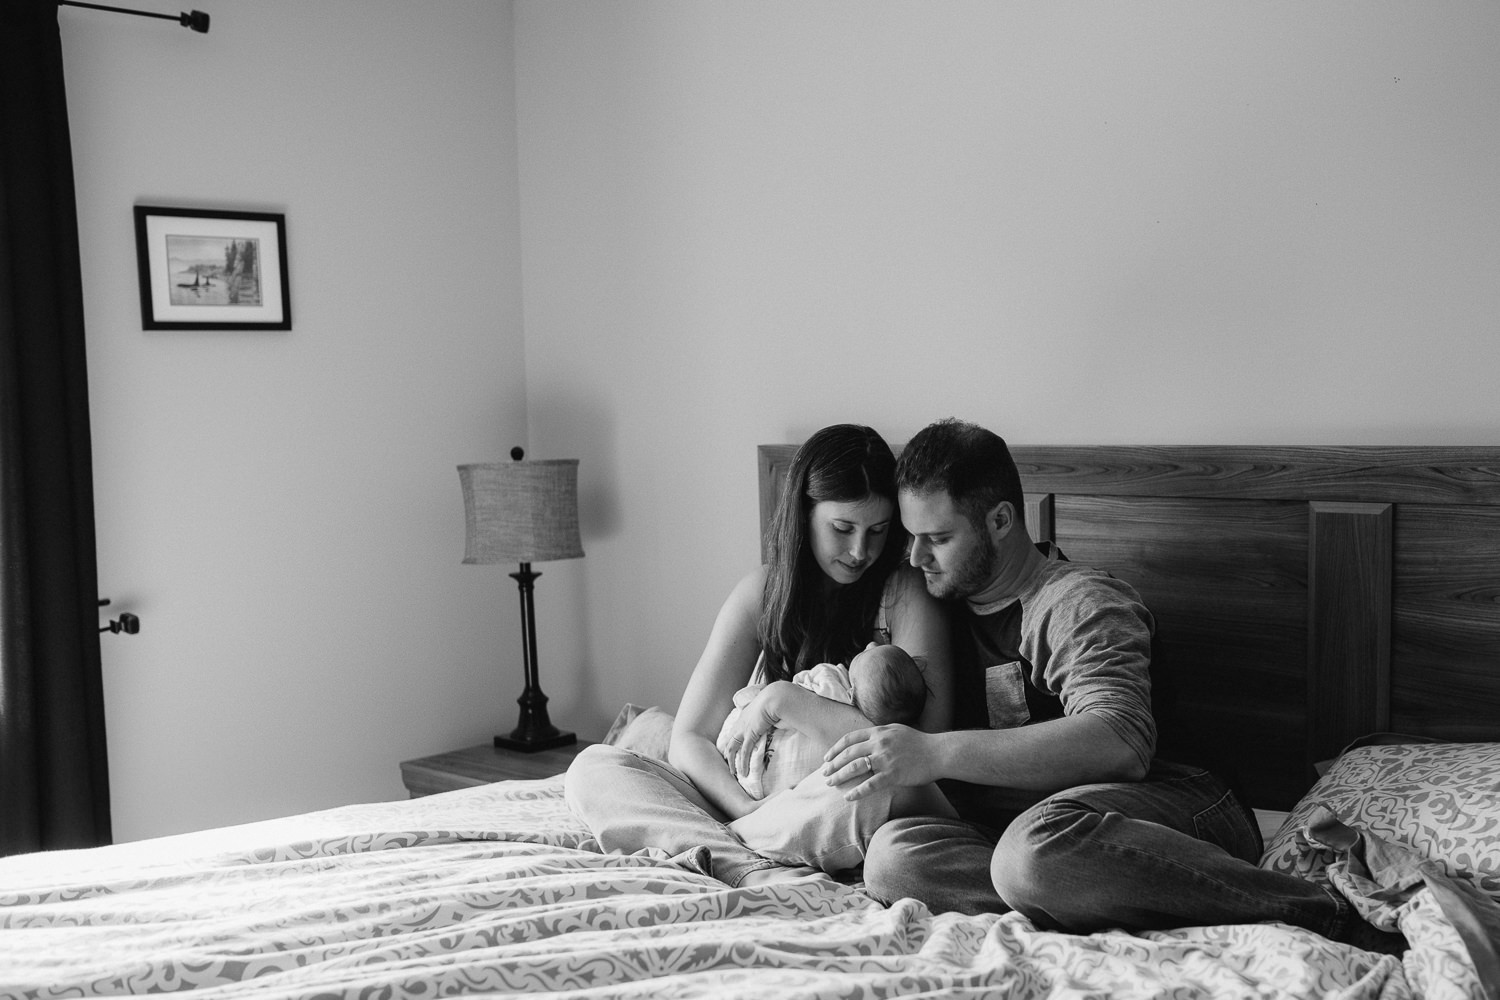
x=499 y=891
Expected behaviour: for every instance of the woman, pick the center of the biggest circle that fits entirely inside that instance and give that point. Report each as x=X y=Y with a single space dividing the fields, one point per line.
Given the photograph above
x=836 y=580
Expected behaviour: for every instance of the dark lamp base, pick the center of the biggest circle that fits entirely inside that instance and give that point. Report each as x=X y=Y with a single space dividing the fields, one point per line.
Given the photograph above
x=534 y=730
x=531 y=742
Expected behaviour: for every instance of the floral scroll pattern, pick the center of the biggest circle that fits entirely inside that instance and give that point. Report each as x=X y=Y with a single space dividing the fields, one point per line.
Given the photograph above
x=499 y=891
x=1440 y=799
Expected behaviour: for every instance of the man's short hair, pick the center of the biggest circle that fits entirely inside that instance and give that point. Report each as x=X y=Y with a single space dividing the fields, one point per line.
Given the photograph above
x=972 y=465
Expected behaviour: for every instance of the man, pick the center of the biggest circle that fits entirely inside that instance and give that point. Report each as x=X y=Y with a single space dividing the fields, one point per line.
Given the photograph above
x=1066 y=816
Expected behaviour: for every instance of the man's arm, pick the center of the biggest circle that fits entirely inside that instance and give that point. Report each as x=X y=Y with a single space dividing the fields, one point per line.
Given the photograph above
x=1043 y=757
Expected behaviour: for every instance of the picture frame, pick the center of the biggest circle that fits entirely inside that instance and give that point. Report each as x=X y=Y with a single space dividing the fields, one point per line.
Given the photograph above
x=202 y=269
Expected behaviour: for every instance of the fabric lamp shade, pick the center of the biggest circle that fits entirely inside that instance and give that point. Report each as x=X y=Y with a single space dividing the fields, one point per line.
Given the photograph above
x=522 y=511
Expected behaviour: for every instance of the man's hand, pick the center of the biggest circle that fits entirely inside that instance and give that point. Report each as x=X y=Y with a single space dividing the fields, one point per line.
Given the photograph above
x=886 y=757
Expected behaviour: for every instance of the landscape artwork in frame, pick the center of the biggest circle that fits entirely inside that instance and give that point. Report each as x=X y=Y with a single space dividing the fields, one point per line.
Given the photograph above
x=209 y=270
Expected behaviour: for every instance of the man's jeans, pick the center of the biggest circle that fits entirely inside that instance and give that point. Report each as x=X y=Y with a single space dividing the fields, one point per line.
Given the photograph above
x=632 y=802
x=1174 y=850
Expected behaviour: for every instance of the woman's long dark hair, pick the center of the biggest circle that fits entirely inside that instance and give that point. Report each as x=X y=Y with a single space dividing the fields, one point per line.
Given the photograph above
x=800 y=626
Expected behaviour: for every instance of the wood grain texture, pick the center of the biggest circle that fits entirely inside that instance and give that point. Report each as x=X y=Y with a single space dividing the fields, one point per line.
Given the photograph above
x=1041 y=517
x=1375 y=474
x=772 y=463
x=481 y=765
x=1446 y=623
x=1349 y=623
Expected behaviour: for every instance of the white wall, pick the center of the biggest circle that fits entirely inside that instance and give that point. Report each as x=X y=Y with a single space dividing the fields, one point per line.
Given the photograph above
x=1141 y=222
x=1144 y=222
x=282 y=510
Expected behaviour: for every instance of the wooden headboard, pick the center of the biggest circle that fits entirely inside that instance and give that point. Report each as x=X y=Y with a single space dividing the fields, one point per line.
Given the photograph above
x=1304 y=596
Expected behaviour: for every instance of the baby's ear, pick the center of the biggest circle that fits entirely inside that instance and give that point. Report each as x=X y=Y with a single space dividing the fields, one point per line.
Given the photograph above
x=871 y=644
x=921 y=662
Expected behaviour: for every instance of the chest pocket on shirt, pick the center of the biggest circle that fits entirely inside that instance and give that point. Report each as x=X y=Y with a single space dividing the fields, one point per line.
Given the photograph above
x=1005 y=696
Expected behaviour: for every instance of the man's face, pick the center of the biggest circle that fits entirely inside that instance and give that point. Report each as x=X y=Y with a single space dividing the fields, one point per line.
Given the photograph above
x=956 y=557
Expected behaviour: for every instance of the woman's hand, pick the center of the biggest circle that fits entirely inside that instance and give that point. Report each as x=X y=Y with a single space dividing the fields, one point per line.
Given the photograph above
x=758 y=718
x=885 y=757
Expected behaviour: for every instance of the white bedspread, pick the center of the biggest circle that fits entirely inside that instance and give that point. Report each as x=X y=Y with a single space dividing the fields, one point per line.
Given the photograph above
x=497 y=891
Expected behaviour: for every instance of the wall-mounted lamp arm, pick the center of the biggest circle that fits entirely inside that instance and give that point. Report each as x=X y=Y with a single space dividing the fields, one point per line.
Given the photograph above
x=127 y=622
x=197 y=20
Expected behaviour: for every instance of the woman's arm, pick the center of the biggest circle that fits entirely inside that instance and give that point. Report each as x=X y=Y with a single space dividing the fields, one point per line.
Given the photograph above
x=919 y=624
x=725 y=666
x=785 y=705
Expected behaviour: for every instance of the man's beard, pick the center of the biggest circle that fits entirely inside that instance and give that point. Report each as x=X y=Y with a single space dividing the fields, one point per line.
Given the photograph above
x=970 y=576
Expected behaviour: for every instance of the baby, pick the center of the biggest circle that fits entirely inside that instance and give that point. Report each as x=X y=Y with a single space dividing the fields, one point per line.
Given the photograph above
x=884 y=682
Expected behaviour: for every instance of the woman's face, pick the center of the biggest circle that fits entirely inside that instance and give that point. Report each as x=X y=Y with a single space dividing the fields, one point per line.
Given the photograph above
x=847 y=538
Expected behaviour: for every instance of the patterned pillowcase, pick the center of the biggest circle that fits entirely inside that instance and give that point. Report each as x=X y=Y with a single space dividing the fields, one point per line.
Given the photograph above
x=1441 y=799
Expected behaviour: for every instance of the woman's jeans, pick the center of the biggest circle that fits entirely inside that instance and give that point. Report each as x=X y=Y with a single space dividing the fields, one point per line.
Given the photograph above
x=1174 y=850
x=631 y=802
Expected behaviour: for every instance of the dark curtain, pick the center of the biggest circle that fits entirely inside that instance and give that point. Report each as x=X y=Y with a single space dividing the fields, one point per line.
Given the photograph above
x=54 y=779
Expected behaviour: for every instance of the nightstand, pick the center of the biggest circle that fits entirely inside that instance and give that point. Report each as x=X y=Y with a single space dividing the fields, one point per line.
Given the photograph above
x=481 y=765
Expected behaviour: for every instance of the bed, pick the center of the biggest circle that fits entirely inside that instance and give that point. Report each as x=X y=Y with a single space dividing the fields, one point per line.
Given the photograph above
x=1306 y=598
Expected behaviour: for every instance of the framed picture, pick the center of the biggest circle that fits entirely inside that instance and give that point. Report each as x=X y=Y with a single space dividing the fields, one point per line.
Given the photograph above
x=206 y=270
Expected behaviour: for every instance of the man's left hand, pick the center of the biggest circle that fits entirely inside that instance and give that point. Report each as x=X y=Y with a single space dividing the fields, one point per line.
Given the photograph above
x=885 y=757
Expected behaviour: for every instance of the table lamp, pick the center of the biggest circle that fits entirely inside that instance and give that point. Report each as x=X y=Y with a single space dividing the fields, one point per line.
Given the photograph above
x=524 y=512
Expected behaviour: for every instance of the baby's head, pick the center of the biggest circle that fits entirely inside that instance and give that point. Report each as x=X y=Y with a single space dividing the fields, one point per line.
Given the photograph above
x=888 y=685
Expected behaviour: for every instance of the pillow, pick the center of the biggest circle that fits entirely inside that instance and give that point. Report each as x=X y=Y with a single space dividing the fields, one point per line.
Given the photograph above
x=647 y=731
x=1440 y=799
x=626 y=717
